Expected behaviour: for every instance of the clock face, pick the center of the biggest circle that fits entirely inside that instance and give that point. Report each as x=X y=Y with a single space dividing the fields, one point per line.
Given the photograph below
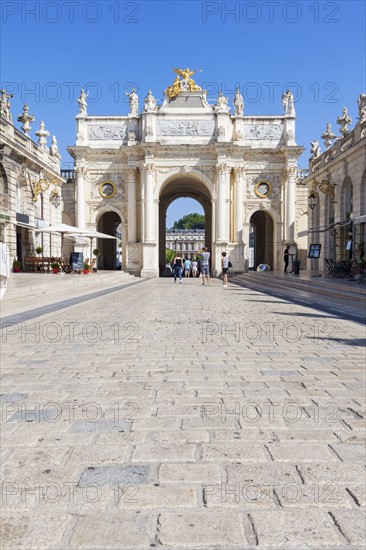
x=107 y=189
x=263 y=189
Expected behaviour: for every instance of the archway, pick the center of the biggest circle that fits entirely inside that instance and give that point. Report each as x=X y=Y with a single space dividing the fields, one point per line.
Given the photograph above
x=263 y=238
x=178 y=188
x=109 y=259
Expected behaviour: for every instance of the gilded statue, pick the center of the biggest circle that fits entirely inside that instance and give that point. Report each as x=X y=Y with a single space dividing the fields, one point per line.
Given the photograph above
x=185 y=83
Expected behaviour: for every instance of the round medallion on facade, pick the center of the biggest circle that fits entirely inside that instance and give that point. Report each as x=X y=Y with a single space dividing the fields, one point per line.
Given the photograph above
x=263 y=189
x=107 y=189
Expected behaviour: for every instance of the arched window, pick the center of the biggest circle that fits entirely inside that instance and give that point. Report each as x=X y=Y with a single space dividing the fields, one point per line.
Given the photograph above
x=346 y=198
x=3 y=180
x=363 y=194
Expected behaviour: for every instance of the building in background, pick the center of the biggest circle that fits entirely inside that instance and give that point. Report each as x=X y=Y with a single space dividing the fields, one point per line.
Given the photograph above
x=30 y=185
x=336 y=185
x=188 y=242
x=241 y=169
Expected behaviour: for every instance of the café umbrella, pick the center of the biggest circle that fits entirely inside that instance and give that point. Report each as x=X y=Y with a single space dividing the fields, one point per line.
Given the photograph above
x=91 y=234
x=63 y=229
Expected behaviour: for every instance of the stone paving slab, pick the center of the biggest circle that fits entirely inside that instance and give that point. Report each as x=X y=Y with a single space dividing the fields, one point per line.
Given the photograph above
x=200 y=431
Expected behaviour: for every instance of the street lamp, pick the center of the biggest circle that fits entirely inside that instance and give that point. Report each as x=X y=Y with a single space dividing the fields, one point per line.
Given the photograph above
x=326 y=188
x=312 y=200
x=56 y=200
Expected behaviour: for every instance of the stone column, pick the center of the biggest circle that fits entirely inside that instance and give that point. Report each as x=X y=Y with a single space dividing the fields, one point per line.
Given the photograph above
x=238 y=217
x=131 y=190
x=150 y=260
x=290 y=203
x=149 y=234
x=80 y=196
x=222 y=205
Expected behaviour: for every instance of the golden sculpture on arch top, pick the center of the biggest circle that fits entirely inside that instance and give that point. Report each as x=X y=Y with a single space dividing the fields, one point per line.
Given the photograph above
x=183 y=84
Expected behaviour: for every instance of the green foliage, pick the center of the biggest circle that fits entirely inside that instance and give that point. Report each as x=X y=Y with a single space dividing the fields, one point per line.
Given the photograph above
x=96 y=252
x=191 y=221
x=169 y=255
x=55 y=265
x=39 y=249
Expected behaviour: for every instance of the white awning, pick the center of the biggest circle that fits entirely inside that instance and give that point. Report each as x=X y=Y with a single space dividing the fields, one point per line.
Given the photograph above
x=26 y=225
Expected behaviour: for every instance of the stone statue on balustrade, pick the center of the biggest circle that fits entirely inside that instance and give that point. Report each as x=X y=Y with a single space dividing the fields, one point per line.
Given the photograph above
x=82 y=102
x=222 y=103
x=134 y=102
x=150 y=103
x=26 y=118
x=328 y=136
x=344 y=121
x=238 y=103
x=5 y=105
x=361 y=102
x=315 y=149
x=42 y=135
x=288 y=103
x=54 y=152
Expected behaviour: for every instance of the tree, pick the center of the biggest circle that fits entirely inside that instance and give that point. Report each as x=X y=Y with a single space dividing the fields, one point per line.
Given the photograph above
x=169 y=255
x=191 y=221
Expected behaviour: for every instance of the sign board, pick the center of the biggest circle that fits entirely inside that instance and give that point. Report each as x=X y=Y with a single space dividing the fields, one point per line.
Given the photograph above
x=314 y=250
x=77 y=261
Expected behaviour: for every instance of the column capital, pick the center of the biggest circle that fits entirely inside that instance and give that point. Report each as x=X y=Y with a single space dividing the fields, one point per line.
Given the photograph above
x=291 y=170
x=81 y=170
x=238 y=171
x=222 y=167
x=132 y=170
x=149 y=168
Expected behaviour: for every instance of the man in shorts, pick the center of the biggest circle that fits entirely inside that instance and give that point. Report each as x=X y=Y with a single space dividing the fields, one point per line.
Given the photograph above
x=187 y=267
x=205 y=267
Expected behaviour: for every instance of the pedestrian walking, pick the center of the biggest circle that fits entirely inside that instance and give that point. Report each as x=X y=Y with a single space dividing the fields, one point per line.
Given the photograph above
x=286 y=257
x=225 y=268
x=194 y=268
x=178 y=268
x=187 y=267
x=205 y=266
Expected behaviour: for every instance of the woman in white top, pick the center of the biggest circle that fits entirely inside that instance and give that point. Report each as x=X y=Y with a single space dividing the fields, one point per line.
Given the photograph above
x=194 y=268
x=225 y=268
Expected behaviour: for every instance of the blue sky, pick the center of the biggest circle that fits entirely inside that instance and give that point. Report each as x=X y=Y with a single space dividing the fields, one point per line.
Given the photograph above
x=51 y=49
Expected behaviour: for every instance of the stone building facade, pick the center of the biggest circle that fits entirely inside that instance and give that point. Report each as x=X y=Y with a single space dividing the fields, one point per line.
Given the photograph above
x=188 y=242
x=30 y=186
x=337 y=180
x=242 y=169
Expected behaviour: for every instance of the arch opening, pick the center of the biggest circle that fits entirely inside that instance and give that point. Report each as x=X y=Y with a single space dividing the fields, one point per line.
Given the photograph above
x=110 y=257
x=185 y=187
x=262 y=239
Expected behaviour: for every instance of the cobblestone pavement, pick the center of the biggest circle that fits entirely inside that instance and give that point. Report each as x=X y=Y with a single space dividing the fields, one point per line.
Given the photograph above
x=179 y=416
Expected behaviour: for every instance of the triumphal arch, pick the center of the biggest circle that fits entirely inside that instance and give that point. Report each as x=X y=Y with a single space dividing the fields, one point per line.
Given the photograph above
x=241 y=168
